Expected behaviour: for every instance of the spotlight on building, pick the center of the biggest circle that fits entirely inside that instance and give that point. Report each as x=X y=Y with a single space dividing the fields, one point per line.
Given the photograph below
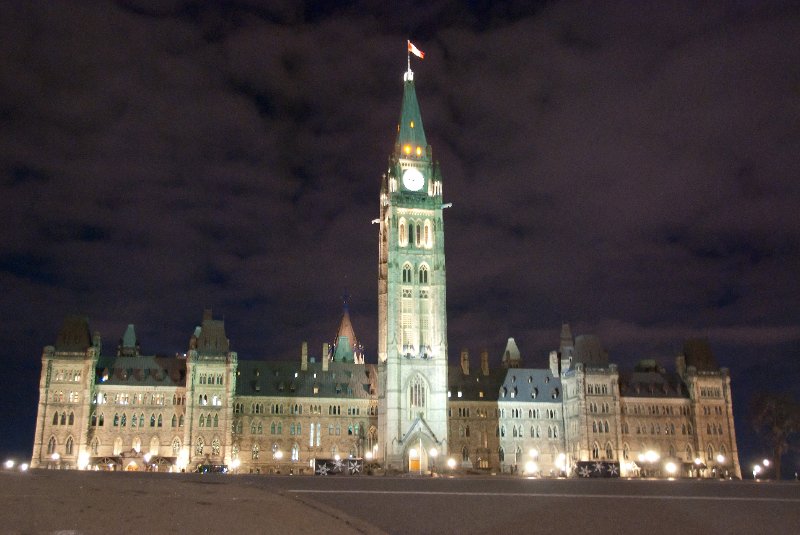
x=368 y=455
x=83 y=460
x=451 y=463
x=433 y=453
x=531 y=468
x=55 y=457
x=671 y=468
x=235 y=464
x=698 y=461
x=720 y=459
x=147 y=458
x=533 y=453
x=652 y=456
x=278 y=455
x=9 y=464
x=335 y=457
x=23 y=467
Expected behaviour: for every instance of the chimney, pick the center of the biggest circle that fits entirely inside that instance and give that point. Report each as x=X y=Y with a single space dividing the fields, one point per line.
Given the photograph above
x=304 y=357
x=554 y=363
x=465 y=362
x=325 y=352
x=485 y=362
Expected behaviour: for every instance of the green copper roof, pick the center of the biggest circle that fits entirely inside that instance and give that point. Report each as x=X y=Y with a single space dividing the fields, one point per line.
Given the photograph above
x=410 y=133
x=129 y=338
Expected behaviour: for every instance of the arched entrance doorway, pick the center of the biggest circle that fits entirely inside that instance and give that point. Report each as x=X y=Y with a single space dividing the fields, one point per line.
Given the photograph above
x=421 y=454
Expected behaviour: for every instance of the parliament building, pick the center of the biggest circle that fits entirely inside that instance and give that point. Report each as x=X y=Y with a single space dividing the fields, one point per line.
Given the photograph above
x=576 y=414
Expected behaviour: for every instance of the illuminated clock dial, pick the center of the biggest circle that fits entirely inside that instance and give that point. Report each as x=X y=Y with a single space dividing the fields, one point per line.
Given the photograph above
x=413 y=179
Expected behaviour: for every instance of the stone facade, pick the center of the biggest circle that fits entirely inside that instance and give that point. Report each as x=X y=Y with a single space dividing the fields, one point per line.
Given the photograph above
x=409 y=412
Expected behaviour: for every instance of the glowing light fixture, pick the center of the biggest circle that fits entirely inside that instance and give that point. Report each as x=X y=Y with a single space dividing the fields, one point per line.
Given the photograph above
x=434 y=452
x=721 y=459
x=419 y=151
x=369 y=455
x=279 y=455
x=9 y=464
x=407 y=149
x=531 y=467
x=83 y=460
x=534 y=453
x=671 y=468
x=765 y=462
x=451 y=463
x=412 y=453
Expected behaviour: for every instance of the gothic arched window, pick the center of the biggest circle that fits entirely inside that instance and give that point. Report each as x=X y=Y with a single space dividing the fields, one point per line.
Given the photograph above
x=423 y=274
x=407 y=274
x=402 y=238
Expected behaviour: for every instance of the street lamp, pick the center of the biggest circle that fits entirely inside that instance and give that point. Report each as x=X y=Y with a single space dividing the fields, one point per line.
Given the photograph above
x=9 y=464
x=756 y=471
x=451 y=463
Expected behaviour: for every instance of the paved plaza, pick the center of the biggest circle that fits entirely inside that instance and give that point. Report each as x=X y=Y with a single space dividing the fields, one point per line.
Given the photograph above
x=66 y=502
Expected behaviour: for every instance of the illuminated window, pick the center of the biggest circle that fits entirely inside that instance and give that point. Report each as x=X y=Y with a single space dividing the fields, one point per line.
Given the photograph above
x=419 y=151
x=402 y=238
x=407 y=149
x=411 y=124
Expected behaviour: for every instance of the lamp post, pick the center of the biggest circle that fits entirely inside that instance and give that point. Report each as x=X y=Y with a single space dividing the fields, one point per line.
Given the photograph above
x=756 y=471
x=433 y=453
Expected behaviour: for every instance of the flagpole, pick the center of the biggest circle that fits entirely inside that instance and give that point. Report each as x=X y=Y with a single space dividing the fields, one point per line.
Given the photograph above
x=408 y=55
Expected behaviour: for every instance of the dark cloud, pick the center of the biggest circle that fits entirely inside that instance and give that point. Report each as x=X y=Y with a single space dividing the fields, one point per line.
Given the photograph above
x=629 y=167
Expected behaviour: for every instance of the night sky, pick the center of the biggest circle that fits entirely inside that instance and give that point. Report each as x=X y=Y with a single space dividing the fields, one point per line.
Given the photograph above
x=629 y=167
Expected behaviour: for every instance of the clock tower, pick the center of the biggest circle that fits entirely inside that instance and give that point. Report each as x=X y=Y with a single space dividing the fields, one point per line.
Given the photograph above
x=412 y=313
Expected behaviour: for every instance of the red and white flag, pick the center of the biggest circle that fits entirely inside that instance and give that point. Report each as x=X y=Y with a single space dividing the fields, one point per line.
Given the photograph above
x=416 y=51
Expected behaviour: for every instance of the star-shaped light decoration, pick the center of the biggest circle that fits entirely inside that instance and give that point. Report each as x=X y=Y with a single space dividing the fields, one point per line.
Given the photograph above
x=354 y=467
x=322 y=469
x=338 y=465
x=598 y=466
x=584 y=471
x=613 y=470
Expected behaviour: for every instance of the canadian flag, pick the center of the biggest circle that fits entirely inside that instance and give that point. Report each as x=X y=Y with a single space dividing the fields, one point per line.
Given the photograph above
x=416 y=51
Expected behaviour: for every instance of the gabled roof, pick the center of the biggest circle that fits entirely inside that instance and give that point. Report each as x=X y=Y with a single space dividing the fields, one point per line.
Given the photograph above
x=589 y=351
x=532 y=385
x=74 y=334
x=475 y=386
x=652 y=384
x=212 y=339
x=698 y=354
x=345 y=380
x=140 y=371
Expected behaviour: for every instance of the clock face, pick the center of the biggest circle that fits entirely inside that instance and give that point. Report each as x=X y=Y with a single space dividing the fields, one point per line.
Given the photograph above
x=413 y=179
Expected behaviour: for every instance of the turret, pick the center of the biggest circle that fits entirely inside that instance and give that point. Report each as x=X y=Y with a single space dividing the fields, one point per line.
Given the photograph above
x=511 y=357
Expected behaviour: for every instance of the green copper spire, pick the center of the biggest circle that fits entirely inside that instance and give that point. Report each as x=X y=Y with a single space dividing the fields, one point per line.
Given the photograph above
x=411 y=142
